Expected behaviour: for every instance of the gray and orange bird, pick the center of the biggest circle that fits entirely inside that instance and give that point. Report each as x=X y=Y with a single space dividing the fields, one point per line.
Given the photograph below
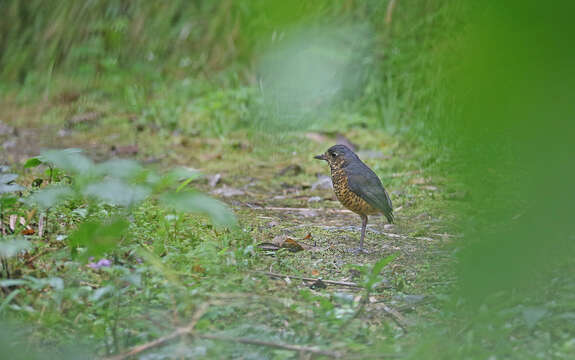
x=356 y=186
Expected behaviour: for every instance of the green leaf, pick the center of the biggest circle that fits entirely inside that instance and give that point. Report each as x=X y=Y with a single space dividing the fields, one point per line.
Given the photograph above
x=532 y=315
x=181 y=174
x=32 y=163
x=51 y=196
x=116 y=192
x=12 y=282
x=5 y=183
x=97 y=295
x=381 y=263
x=377 y=267
x=218 y=212
x=9 y=188
x=7 y=178
x=11 y=247
x=69 y=160
x=98 y=237
x=120 y=168
x=8 y=299
x=7 y=201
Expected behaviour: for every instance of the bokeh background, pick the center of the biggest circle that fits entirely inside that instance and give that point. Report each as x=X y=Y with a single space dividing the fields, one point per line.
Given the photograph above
x=487 y=88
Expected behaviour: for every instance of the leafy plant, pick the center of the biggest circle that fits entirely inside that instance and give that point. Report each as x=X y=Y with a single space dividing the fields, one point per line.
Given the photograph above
x=109 y=191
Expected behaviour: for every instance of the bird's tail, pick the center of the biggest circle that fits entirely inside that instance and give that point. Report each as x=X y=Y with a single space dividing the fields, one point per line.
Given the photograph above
x=389 y=216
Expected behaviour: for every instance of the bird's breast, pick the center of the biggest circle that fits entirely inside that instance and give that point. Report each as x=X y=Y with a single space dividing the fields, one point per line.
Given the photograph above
x=348 y=198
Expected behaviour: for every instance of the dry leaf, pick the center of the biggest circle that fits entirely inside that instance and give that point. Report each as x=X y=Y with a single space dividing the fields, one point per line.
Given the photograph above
x=291 y=245
x=198 y=268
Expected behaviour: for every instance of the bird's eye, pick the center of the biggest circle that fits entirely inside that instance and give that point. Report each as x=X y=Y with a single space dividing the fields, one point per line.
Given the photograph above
x=333 y=153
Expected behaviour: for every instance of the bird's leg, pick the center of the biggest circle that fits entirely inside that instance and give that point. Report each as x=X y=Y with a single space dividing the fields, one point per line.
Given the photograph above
x=363 y=226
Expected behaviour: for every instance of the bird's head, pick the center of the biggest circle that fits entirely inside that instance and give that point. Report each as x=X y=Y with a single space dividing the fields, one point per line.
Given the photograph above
x=337 y=156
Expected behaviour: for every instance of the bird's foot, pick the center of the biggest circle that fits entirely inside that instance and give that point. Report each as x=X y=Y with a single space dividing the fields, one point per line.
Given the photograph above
x=357 y=251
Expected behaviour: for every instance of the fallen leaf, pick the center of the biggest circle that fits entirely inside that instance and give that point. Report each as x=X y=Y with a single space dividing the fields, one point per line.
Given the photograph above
x=67 y=97
x=282 y=242
x=197 y=268
x=28 y=232
x=291 y=245
x=314 y=272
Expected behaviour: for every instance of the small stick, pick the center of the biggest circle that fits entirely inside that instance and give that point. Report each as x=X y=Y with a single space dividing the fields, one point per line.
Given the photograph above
x=41 y=225
x=304 y=209
x=395 y=315
x=298 y=348
x=330 y=282
x=203 y=308
x=389 y=12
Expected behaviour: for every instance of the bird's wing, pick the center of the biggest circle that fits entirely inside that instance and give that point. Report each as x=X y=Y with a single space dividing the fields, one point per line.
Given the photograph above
x=365 y=183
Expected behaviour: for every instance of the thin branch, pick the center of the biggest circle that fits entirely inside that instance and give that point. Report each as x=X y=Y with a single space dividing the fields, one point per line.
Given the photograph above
x=186 y=330
x=395 y=315
x=304 y=209
x=329 y=282
x=298 y=348
x=389 y=12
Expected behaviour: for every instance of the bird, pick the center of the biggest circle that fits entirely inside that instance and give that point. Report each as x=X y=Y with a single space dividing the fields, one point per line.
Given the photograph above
x=356 y=186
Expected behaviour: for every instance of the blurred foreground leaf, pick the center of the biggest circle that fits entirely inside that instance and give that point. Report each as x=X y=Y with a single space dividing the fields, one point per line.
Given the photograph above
x=11 y=246
x=198 y=203
x=98 y=237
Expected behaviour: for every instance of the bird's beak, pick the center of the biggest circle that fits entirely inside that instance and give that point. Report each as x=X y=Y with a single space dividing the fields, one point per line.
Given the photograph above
x=320 y=157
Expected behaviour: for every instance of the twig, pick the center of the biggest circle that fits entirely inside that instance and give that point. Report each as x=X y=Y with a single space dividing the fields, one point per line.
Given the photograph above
x=41 y=225
x=356 y=314
x=298 y=348
x=203 y=308
x=304 y=209
x=329 y=282
x=395 y=315
x=389 y=12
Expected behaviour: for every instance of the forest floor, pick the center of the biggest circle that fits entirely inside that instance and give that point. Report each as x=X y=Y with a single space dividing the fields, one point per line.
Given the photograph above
x=242 y=290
